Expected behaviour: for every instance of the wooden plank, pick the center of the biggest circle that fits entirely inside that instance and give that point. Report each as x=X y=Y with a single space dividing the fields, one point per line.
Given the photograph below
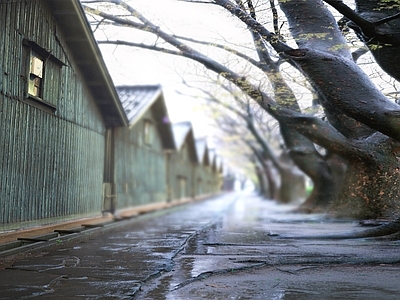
x=70 y=231
x=40 y=238
x=10 y=245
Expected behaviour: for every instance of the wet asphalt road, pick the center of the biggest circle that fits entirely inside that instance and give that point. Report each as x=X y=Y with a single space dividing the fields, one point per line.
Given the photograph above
x=114 y=265
x=228 y=247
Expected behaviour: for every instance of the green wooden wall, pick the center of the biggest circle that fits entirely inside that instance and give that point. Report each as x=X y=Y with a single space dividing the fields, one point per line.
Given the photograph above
x=51 y=165
x=181 y=172
x=52 y=161
x=139 y=167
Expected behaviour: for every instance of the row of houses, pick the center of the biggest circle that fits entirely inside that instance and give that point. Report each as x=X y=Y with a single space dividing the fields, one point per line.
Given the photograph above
x=73 y=145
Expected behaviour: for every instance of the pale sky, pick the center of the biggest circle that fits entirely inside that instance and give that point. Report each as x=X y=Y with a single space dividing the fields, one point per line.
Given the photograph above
x=129 y=65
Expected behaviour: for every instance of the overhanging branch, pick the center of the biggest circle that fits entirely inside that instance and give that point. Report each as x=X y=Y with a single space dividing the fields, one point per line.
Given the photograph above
x=313 y=129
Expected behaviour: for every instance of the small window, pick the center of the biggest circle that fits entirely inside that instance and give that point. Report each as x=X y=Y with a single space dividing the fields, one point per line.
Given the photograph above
x=148 y=132
x=43 y=77
x=36 y=69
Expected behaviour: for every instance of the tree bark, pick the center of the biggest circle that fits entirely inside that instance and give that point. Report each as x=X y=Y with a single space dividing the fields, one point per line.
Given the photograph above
x=327 y=179
x=382 y=37
x=263 y=186
x=291 y=182
x=265 y=176
x=370 y=186
x=292 y=188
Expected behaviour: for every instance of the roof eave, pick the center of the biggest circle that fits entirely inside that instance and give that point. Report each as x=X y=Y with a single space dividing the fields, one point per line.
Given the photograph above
x=108 y=102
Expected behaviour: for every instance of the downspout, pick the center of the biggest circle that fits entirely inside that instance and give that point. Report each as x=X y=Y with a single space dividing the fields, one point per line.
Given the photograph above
x=109 y=189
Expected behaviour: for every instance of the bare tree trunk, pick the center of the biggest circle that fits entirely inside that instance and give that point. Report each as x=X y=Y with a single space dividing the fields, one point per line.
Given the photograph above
x=293 y=186
x=262 y=183
x=273 y=188
x=370 y=183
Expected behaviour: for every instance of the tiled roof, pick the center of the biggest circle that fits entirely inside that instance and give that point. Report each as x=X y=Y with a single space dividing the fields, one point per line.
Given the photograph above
x=136 y=99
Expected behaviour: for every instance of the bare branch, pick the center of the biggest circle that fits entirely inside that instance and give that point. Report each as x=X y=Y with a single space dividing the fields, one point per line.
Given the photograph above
x=350 y=14
x=223 y=47
x=275 y=17
x=143 y=46
x=255 y=26
x=310 y=129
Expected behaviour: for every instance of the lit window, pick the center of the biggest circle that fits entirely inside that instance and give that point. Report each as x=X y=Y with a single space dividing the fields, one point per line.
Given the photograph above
x=35 y=75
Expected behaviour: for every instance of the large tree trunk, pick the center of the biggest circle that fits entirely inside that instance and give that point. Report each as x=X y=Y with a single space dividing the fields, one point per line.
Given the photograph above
x=370 y=187
x=267 y=183
x=270 y=176
x=301 y=150
x=327 y=179
x=263 y=188
x=371 y=191
x=292 y=188
x=315 y=166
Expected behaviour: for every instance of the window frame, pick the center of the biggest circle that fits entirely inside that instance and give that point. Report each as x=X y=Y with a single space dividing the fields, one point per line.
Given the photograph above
x=34 y=50
x=36 y=75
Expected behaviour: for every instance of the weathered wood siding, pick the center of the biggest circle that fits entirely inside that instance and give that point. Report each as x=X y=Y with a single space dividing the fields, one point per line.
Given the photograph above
x=181 y=172
x=140 y=168
x=207 y=181
x=51 y=165
x=201 y=177
x=215 y=177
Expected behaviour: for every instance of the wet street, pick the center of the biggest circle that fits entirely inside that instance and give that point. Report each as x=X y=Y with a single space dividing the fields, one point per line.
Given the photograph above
x=234 y=246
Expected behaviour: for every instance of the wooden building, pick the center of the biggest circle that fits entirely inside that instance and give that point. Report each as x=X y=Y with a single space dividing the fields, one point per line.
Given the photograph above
x=181 y=163
x=71 y=147
x=155 y=163
x=209 y=171
x=218 y=175
x=202 y=169
x=140 y=166
x=56 y=101
x=214 y=171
